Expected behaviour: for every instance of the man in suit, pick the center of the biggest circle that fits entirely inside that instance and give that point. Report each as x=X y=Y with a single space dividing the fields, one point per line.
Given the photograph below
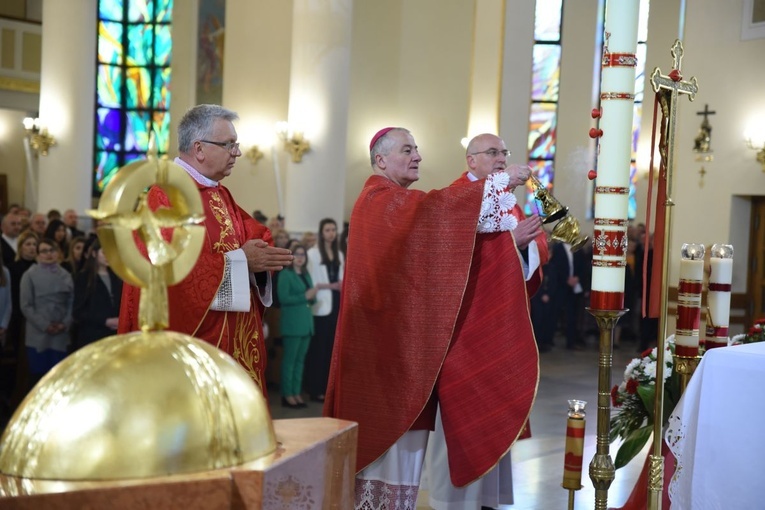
x=70 y=220
x=11 y=228
x=570 y=270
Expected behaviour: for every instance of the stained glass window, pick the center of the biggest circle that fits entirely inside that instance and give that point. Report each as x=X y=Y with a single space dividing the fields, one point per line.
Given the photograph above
x=545 y=84
x=132 y=83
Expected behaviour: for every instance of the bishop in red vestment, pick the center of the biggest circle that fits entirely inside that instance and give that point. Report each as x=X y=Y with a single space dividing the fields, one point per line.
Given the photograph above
x=222 y=299
x=408 y=335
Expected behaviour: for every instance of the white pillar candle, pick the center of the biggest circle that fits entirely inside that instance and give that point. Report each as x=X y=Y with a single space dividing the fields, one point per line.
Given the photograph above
x=718 y=295
x=689 y=300
x=613 y=177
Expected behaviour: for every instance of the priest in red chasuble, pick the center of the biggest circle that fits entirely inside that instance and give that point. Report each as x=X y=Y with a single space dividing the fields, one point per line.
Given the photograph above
x=401 y=347
x=487 y=154
x=222 y=299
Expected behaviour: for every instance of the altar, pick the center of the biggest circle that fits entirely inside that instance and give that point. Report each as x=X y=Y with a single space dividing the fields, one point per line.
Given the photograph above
x=717 y=432
x=313 y=467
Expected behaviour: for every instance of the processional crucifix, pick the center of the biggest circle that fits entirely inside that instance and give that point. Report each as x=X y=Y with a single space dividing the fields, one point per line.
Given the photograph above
x=668 y=89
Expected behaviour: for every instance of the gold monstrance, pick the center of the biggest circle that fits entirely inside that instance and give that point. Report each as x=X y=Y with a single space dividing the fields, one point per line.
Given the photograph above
x=144 y=404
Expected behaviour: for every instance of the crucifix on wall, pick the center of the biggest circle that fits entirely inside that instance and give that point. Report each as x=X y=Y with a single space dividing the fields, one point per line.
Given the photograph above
x=702 y=142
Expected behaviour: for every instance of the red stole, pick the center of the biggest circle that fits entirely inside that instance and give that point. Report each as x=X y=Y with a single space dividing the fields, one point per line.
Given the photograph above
x=403 y=328
x=240 y=334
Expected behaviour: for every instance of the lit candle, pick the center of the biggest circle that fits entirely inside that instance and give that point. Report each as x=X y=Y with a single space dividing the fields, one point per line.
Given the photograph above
x=689 y=300
x=615 y=149
x=718 y=295
x=574 y=452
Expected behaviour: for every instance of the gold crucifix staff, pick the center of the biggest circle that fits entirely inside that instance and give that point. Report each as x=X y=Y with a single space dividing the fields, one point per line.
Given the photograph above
x=668 y=88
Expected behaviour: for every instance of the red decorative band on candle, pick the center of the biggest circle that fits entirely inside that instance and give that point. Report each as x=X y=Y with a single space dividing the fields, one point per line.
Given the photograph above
x=719 y=287
x=684 y=350
x=611 y=222
x=608 y=263
x=572 y=462
x=712 y=332
x=605 y=96
x=610 y=242
x=612 y=190
x=619 y=60
x=689 y=287
x=600 y=300
x=574 y=431
x=688 y=318
x=711 y=343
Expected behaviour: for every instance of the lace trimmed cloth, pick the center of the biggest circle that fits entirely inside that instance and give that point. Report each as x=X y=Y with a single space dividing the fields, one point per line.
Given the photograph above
x=498 y=201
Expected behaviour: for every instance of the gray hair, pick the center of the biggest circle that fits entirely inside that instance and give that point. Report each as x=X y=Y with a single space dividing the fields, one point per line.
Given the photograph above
x=197 y=123
x=384 y=144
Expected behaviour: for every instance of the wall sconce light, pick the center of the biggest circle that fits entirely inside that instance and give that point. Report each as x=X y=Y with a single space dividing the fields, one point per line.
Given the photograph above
x=39 y=138
x=294 y=142
x=254 y=154
x=755 y=140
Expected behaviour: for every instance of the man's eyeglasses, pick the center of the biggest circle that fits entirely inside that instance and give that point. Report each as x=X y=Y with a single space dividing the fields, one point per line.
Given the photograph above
x=493 y=153
x=229 y=146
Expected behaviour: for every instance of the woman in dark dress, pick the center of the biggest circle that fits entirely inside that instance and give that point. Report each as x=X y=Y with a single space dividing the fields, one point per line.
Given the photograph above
x=325 y=265
x=97 y=293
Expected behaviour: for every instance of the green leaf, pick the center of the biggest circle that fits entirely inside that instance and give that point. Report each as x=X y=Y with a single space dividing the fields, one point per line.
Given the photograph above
x=647 y=394
x=632 y=445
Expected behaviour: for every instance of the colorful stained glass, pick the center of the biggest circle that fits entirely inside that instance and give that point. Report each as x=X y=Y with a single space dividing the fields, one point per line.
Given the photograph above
x=542 y=126
x=547 y=18
x=544 y=172
x=140 y=11
x=632 y=203
x=163 y=43
x=110 y=43
x=132 y=93
x=161 y=94
x=109 y=86
x=163 y=11
x=109 y=129
x=110 y=9
x=545 y=79
x=637 y=115
x=138 y=87
x=640 y=72
x=161 y=129
x=140 y=50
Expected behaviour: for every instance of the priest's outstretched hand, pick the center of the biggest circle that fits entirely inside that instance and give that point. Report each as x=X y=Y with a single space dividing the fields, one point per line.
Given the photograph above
x=262 y=257
x=527 y=230
x=519 y=174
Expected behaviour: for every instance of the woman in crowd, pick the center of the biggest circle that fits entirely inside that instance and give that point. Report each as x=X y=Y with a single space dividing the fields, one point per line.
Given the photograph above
x=97 y=294
x=46 y=298
x=6 y=305
x=296 y=294
x=74 y=261
x=26 y=257
x=325 y=265
x=56 y=231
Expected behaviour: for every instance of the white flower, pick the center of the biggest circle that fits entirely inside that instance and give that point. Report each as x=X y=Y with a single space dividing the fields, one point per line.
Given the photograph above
x=630 y=367
x=737 y=340
x=650 y=370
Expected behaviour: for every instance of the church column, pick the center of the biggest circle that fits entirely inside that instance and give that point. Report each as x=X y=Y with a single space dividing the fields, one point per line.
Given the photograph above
x=67 y=87
x=318 y=106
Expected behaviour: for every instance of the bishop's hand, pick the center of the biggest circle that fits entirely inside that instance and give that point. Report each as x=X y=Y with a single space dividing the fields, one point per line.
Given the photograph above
x=527 y=230
x=262 y=257
x=519 y=174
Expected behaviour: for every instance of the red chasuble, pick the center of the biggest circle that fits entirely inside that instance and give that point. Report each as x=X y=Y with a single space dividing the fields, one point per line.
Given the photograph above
x=417 y=316
x=240 y=334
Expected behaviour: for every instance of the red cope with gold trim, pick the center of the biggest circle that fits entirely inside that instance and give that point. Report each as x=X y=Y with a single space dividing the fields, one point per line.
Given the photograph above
x=240 y=334
x=411 y=324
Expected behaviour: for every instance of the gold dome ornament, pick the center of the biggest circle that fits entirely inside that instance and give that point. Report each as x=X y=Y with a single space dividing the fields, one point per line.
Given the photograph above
x=149 y=403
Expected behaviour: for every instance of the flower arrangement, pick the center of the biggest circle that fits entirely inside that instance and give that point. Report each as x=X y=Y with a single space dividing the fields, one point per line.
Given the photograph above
x=634 y=399
x=755 y=334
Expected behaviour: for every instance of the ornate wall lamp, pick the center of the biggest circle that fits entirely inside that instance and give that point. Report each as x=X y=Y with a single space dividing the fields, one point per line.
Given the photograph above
x=755 y=140
x=39 y=138
x=254 y=154
x=294 y=142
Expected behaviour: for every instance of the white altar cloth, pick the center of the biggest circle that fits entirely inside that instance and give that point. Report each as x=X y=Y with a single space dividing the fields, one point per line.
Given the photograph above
x=717 y=432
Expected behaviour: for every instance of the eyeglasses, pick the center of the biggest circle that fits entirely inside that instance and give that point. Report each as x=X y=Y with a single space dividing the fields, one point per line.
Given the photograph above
x=229 y=146
x=493 y=153
x=46 y=251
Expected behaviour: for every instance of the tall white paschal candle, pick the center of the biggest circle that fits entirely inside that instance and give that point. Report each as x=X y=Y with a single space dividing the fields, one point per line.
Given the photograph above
x=617 y=97
x=689 y=300
x=718 y=295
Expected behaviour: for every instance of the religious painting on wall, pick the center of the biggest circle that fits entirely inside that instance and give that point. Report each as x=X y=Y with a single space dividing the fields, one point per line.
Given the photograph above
x=210 y=40
x=753 y=23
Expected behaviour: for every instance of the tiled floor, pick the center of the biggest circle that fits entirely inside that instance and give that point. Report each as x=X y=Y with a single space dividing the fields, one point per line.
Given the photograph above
x=538 y=462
